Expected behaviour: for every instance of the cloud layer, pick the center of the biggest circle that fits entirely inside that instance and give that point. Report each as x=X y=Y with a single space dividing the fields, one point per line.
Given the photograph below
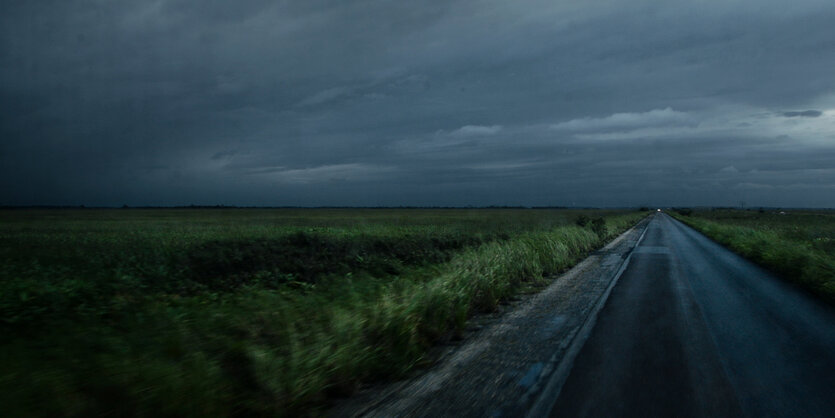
x=530 y=102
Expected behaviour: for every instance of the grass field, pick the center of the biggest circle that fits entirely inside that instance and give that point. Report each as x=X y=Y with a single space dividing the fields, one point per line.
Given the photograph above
x=797 y=245
x=253 y=312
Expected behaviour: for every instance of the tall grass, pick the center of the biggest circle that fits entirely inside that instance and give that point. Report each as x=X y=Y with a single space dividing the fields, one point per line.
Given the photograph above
x=261 y=348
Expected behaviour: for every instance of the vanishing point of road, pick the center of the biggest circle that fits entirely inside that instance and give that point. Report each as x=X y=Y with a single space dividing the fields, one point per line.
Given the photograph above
x=691 y=329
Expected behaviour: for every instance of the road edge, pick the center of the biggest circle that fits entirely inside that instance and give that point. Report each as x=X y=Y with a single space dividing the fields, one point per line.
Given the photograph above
x=546 y=398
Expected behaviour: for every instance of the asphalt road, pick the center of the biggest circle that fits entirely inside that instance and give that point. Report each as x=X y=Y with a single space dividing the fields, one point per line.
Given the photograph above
x=692 y=329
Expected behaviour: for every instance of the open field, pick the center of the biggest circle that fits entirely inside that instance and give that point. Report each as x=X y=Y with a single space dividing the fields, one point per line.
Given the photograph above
x=797 y=245
x=264 y=312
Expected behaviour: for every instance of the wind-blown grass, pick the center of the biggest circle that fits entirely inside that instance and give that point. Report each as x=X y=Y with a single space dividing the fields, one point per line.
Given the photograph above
x=256 y=334
x=798 y=246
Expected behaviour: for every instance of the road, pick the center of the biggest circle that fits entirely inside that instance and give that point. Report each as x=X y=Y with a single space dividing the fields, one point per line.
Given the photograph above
x=691 y=329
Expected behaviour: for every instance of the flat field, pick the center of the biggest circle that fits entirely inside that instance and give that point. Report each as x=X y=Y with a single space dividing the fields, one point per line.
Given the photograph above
x=799 y=245
x=253 y=311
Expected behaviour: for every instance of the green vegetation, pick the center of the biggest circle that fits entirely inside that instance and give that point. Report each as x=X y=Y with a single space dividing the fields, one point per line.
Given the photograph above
x=253 y=312
x=797 y=245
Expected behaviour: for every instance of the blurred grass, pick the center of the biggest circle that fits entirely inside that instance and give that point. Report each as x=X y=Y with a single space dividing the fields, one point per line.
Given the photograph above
x=252 y=312
x=797 y=245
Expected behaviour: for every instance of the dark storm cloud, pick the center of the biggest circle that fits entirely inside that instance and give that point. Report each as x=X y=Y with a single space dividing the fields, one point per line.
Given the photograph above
x=804 y=114
x=377 y=102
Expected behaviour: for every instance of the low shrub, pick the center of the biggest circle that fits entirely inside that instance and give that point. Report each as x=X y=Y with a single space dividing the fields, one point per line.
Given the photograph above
x=598 y=225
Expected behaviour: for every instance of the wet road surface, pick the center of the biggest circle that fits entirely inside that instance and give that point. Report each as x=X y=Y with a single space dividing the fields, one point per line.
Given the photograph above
x=692 y=329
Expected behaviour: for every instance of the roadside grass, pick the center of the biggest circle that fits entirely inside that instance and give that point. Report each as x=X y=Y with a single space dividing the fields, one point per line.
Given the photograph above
x=200 y=313
x=799 y=245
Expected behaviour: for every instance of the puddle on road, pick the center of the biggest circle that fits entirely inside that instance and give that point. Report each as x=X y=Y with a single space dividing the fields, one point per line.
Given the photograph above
x=531 y=375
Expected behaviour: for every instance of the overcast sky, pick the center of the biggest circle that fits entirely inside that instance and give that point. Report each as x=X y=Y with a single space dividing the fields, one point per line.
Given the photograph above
x=372 y=102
